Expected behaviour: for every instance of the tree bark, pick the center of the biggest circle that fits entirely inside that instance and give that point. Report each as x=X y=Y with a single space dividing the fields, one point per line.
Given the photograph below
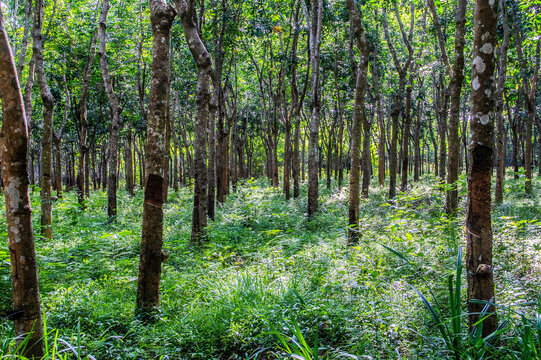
x=47 y=135
x=478 y=219
x=148 y=283
x=83 y=122
x=359 y=119
x=115 y=114
x=500 y=141
x=397 y=107
x=315 y=104
x=453 y=91
x=203 y=62
x=14 y=148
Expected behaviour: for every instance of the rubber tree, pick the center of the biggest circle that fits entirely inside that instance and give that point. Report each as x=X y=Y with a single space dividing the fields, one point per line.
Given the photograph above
x=148 y=283
x=204 y=68
x=359 y=118
x=314 y=26
x=115 y=112
x=13 y=151
x=480 y=276
x=454 y=88
x=500 y=139
x=47 y=136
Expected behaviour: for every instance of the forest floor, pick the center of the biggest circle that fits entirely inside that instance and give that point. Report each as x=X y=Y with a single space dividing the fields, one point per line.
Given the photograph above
x=269 y=274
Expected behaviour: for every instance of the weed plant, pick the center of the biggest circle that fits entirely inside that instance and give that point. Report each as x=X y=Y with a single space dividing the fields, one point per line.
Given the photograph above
x=273 y=284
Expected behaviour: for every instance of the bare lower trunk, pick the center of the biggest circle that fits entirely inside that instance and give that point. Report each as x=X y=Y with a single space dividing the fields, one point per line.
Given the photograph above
x=13 y=151
x=405 y=139
x=203 y=61
x=478 y=220
x=83 y=148
x=212 y=158
x=129 y=162
x=47 y=135
x=115 y=114
x=455 y=89
x=315 y=42
x=359 y=122
x=148 y=283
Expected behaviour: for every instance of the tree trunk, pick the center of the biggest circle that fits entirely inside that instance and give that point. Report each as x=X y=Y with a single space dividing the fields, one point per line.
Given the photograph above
x=28 y=113
x=359 y=119
x=212 y=157
x=14 y=149
x=167 y=150
x=381 y=122
x=47 y=135
x=402 y=73
x=129 y=161
x=455 y=89
x=148 y=283
x=478 y=219
x=115 y=114
x=315 y=104
x=417 y=160
x=406 y=137
x=83 y=148
x=203 y=61
x=500 y=141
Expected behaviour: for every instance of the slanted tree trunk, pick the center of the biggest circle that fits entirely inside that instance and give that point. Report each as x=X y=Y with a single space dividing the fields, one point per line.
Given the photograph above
x=203 y=62
x=478 y=219
x=315 y=104
x=115 y=113
x=13 y=151
x=148 y=283
x=47 y=135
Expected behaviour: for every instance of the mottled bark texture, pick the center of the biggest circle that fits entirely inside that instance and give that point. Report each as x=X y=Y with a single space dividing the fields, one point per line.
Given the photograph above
x=455 y=88
x=202 y=100
x=115 y=113
x=315 y=105
x=478 y=219
x=148 y=283
x=47 y=135
x=13 y=150
x=359 y=119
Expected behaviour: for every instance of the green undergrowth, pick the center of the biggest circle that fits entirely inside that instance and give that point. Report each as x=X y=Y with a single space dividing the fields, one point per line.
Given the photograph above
x=271 y=282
